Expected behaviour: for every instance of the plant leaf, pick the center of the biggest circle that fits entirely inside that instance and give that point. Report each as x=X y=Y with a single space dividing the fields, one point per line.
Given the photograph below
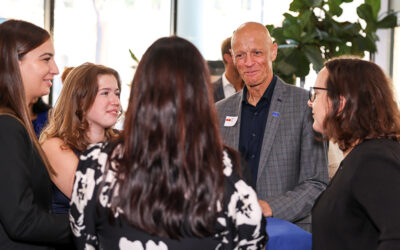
x=292 y=31
x=300 y=62
x=270 y=27
x=278 y=36
x=304 y=18
x=297 y=5
x=375 y=7
x=281 y=64
x=315 y=3
x=334 y=7
x=389 y=21
x=364 y=11
x=313 y=54
x=133 y=56
x=366 y=44
x=289 y=19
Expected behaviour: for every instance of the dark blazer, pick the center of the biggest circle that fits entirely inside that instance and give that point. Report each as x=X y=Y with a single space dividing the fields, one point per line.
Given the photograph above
x=293 y=167
x=25 y=194
x=359 y=210
x=218 y=90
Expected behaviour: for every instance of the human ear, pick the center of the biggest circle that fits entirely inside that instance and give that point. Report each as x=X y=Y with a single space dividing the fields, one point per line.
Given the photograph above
x=227 y=57
x=274 y=51
x=232 y=56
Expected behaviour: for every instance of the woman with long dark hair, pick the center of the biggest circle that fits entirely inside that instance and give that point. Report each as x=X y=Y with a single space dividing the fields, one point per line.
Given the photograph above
x=354 y=106
x=169 y=182
x=27 y=68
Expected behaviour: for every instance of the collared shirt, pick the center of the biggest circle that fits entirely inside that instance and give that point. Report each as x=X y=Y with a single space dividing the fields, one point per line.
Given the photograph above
x=252 y=127
x=228 y=87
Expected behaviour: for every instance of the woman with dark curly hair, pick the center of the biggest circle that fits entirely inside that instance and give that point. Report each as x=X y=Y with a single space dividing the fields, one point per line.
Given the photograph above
x=353 y=105
x=169 y=182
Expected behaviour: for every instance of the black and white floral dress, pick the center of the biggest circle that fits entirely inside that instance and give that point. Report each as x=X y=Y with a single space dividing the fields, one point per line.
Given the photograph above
x=240 y=224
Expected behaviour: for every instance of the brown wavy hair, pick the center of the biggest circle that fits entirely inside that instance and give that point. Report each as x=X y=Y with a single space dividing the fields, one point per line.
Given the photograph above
x=67 y=120
x=65 y=73
x=370 y=110
x=171 y=171
x=17 y=38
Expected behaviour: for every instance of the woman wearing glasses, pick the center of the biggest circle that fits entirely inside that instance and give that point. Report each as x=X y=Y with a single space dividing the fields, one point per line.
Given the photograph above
x=353 y=105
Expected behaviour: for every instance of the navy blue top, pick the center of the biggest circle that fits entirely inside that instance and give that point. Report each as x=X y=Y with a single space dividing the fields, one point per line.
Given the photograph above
x=60 y=202
x=252 y=126
x=39 y=122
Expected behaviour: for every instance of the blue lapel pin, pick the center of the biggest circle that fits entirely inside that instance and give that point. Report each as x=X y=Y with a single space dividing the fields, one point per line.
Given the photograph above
x=276 y=114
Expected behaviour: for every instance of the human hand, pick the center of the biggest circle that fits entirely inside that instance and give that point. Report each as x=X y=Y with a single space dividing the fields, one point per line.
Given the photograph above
x=265 y=208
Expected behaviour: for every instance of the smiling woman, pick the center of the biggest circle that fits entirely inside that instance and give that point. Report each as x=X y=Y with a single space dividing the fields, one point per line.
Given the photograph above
x=26 y=68
x=37 y=70
x=85 y=113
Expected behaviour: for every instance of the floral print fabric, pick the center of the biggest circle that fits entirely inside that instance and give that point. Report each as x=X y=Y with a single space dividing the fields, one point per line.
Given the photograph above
x=240 y=224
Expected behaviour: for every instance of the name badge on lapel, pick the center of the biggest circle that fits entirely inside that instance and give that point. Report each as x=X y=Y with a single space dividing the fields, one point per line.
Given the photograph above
x=230 y=121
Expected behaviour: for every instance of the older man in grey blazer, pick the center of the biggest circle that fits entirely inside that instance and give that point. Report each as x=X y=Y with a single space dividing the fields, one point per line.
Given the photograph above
x=270 y=124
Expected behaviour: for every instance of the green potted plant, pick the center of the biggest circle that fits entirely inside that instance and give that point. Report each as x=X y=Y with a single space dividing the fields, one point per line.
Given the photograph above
x=314 y=35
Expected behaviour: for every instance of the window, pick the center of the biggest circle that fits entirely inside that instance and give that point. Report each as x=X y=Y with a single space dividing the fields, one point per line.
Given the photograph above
x=32 y=10
x=396 y=63
x=207 y=23
x=103 y=31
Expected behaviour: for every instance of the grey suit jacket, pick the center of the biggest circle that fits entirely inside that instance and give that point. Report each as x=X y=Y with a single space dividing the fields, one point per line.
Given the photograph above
x=218 y=90
x=293 y=167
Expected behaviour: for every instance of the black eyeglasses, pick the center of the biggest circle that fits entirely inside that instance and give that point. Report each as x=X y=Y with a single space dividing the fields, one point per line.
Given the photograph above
x=311 y=93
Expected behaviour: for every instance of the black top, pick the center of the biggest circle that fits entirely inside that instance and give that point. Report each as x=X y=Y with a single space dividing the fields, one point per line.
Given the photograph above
x=25 y=194
x=360 y=209
x=240 y=224
x=252 y=126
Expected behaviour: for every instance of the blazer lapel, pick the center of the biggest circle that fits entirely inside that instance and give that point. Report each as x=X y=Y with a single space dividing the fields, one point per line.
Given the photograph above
x=274 y=117
x=231 y=134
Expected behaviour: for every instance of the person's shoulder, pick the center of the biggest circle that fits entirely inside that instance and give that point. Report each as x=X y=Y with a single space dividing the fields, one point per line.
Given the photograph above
x=217 y=82
x=374 y=154
x=55 y=149
x=227 y=102
x=52 y=142
x=11 y=126
x=94 y=149
x=92 y=161
x=101 y=152
x=375 y=157
x=10 y=121
x=371 y=148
